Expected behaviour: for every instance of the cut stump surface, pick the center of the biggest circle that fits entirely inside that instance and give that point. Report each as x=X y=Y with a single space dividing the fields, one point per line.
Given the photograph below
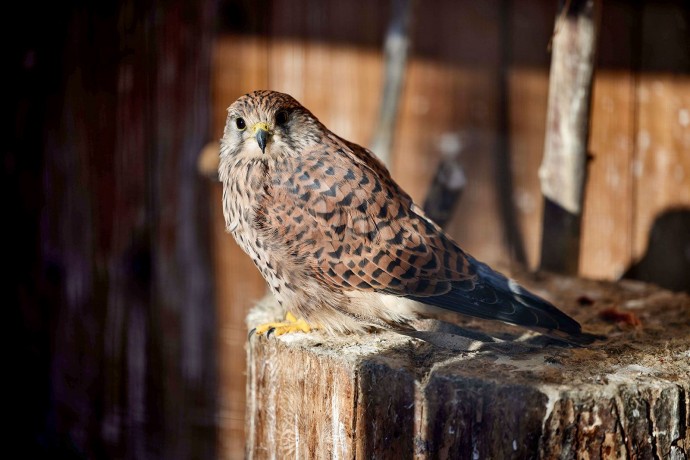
x=384 y=395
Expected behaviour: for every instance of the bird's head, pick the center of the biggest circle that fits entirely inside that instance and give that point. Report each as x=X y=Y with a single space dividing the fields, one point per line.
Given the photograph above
x=268 y=123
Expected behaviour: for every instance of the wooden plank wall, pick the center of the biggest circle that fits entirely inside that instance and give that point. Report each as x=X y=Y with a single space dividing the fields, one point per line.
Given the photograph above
x=108 y=280
x=327 y=55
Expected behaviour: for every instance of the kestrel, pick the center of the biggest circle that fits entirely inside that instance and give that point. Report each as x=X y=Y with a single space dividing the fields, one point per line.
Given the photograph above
x=340 y=244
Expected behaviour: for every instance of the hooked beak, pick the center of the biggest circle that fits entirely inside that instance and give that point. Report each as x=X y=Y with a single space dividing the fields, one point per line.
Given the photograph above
x=261 y=132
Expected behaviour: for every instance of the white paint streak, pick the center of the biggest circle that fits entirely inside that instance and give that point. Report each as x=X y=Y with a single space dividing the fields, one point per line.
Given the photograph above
x=533 y=362
x=338 y=435
x=335 y=417
x=626 y=373
x=552 y=395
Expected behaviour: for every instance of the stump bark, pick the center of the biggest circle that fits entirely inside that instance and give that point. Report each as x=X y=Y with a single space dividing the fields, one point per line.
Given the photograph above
x=387 y=396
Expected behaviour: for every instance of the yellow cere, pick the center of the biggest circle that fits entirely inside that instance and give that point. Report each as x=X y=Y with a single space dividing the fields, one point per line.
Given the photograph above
x=259 y=126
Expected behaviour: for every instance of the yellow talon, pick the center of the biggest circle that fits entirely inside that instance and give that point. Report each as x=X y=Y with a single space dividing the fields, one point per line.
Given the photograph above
x=291 y=324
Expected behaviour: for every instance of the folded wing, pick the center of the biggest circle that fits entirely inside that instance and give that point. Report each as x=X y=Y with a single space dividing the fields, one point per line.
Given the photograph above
x=340 y=212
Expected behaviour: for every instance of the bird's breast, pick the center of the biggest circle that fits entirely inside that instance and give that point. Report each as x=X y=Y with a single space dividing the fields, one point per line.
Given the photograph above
x=242 y=189
x=243 y=192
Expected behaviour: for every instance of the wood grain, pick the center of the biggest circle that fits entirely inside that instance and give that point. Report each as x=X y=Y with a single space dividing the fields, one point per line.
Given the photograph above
x=608 y=212
x=386 y=396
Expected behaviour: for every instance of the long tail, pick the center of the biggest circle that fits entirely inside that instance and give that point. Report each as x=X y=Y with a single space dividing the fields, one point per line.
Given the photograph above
x=493 y=296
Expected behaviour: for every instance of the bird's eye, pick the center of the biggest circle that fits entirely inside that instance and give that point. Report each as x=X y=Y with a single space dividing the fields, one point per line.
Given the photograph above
x=239 y=122
x=281 y=118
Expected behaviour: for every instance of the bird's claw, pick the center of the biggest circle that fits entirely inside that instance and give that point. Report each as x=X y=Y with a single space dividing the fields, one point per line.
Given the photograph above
x=291 y=324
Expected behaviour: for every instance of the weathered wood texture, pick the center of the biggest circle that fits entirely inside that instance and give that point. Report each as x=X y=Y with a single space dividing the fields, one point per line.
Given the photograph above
x=115 y=354
x=386 y=396
x=395 y=50
x=563 y=171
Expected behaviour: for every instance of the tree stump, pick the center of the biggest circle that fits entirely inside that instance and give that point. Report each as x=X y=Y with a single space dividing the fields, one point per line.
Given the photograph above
x=388 y=396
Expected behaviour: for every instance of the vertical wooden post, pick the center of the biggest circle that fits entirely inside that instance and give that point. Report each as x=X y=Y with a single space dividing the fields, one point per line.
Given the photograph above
x=563 y=172
x=395 y=51
x=503 y=166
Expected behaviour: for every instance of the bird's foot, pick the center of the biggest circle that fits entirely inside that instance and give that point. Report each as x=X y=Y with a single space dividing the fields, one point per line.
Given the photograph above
x=291 y=324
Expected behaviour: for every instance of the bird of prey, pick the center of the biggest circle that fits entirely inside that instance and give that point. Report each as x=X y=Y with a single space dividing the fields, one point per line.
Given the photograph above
x=340 y=244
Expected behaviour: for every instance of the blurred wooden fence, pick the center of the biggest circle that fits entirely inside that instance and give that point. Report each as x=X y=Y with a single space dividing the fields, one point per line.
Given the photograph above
x=477 y=75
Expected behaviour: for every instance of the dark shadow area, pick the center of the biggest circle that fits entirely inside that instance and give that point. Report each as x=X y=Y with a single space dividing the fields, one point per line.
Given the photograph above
x=465 y=414
x=382 y=398
x=560 y=243
x=666 y=261
x=466 y=33
x=503 y=168
x=111 y=320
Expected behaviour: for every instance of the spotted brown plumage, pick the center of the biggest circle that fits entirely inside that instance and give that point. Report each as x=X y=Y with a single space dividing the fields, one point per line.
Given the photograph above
x=338 y=241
